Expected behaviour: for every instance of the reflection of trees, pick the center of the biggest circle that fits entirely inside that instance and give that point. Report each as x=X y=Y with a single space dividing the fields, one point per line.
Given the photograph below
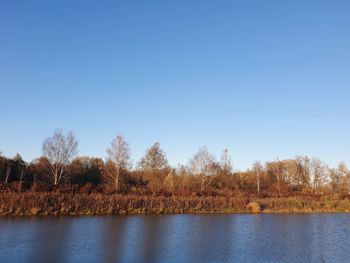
x=183 y=238
x=113 y=232
x=49 y=241
x=134 y=239
x=210 y=238
x=151 y=239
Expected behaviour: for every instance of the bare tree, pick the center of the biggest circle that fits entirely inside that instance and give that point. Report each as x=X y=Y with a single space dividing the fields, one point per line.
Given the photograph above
x=226 y=163
x=59 y=150
x=275 y=172
x=155 y=166
x=345 y=177
x=339 y=178
x=203 y=167
x=118 y=159
x=278 y=175
x=319 y=173
x=155 y=159
x=302 y=176
x=257 y=167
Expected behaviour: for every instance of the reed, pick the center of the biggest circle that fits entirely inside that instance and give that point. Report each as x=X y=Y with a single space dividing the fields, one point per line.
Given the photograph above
x=57 y=203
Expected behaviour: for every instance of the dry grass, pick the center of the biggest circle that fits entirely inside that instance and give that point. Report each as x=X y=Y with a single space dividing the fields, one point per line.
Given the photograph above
x=102 y=204
x=305 y=204
x=33 y=203
x=21 y=199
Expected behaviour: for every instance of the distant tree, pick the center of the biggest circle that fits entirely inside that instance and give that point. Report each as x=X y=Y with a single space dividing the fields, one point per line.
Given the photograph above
x=60 y=150
x=9 y=166
x=275 y=168
x=302 y=176
x=85 y=170
x=170 y=181
x=20 y=167
x=203 y=167
x=288 y=170
x=155 y=166
x=257 y=168
x=278 y=176
x=319 y=173
x=118 y=160
x=39 y=170
x=2 y=166
x=335 y=180
x=155 y=159
x=275 y=173
x=339 y=178
x=345 y=177
x=226 y=162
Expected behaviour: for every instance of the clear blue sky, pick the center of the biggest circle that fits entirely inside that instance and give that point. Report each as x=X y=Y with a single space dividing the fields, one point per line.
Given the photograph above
x=264 y=79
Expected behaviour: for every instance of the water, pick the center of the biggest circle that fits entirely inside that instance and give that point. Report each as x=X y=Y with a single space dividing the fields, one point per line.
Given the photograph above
x=177 y=238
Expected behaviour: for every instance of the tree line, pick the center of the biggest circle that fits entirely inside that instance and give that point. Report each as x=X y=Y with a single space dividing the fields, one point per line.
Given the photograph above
x=60 y=165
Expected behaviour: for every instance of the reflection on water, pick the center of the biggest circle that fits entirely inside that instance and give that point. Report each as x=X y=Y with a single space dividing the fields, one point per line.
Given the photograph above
x=177 y=238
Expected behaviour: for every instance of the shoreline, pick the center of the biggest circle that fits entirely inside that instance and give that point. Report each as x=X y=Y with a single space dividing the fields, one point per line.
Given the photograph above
x=4 y=216
x=53 y=204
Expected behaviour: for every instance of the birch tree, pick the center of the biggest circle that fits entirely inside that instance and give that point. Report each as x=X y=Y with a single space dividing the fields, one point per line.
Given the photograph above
x=118 y=159
x=60 y=150
x=303 y=171
x=155 y=166
x=319 y=173
x=226 y=163
x=203 y=167
x=257 y=168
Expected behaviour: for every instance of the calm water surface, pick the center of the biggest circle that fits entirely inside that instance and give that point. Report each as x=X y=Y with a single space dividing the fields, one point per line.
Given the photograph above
x=177 y=238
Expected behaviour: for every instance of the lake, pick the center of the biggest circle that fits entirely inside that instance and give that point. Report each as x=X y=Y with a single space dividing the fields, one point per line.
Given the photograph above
x=177 y=238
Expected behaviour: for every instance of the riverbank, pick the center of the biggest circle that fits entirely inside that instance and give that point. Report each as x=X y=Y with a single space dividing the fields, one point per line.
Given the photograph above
x=30 y=204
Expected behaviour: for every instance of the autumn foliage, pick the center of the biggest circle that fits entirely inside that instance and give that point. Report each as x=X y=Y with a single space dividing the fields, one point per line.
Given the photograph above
x=69 y=184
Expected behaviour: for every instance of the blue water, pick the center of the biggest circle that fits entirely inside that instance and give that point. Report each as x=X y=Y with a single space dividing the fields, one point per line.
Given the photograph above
x=177 y=238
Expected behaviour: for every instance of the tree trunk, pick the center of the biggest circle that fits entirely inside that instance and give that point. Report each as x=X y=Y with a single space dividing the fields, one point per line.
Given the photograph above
x=117 y=181
x=7 y=175
x=258 y=181
x=202 y=185
x=55 y=179
x=21 y=176
x=278 y=179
